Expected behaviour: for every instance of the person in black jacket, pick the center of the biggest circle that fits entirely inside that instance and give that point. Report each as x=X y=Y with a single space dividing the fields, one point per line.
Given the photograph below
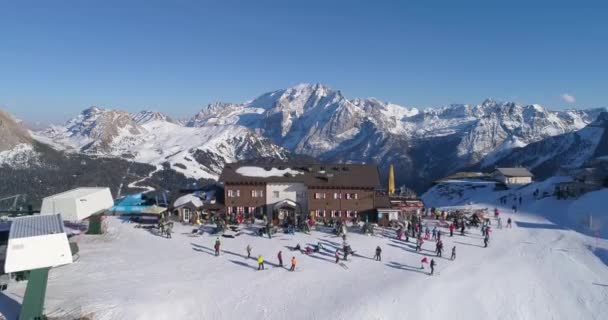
x=378 y=255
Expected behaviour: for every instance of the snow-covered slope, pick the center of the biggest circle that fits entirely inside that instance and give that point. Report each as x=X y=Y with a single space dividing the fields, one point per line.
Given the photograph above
x=538 y=270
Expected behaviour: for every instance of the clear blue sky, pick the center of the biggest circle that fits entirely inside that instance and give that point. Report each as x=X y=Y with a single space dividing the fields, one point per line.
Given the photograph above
x=59 y=57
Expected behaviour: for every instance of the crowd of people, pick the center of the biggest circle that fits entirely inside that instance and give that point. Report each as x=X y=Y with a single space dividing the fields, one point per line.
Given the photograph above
x=416 y=227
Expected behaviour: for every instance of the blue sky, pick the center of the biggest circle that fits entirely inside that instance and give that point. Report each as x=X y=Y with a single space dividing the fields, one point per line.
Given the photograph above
x=59 y=57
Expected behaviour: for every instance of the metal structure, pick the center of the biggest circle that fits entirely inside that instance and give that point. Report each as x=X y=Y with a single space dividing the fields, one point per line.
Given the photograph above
x=35 y=245
x=15 y=201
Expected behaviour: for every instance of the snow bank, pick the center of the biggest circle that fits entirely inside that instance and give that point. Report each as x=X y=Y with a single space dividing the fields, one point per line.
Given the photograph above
x=250 y=171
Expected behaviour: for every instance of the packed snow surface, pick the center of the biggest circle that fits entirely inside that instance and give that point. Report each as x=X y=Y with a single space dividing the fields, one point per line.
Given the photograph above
x=251 y=171
x=539 y=269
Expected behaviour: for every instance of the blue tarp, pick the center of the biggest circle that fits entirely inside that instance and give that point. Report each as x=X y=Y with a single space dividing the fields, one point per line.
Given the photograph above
x=130 y=204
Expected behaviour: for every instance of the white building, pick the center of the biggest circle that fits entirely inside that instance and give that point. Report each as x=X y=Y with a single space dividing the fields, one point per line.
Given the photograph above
x=513 y=176
x=78 y=204
x=37 y=242
x=286 y=199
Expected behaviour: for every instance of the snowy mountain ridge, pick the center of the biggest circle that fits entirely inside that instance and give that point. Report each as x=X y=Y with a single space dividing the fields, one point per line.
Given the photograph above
x=153 y=138
x=315 y=120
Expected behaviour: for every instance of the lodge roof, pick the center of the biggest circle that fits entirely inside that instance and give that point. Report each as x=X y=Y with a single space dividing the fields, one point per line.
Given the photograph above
x=515 y=172
x=312 y=175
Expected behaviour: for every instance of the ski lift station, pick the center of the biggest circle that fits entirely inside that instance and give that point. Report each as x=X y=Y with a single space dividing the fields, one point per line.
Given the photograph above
x=35 y=245
x=36 y=242
x=78 y=204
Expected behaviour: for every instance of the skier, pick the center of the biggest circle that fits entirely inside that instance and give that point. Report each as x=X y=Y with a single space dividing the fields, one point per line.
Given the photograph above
x=217 y=246
x=453 y=257
x=488 y=230
x=423 y=261
x=483 y=229
x=485 y=241
x=319 y=246
x=337 y=256
x=293 y=264
x=462 y=229
x=378 y=255
x=434 y=233
x=439 y=248
x=439 y=235
x=248 y=251
x=168 y=230
x=432 y=266
x=280 y=257
x=427 y=233
x=419 y=244
x=509 y=223
x=496 y=213
x=260 y=263
x=346 y=249
x=452 y=229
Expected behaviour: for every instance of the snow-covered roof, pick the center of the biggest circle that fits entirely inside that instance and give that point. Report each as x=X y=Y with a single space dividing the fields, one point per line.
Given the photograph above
x=252 y=171
x=76 y=193
x=188 y=198
x=515 y=172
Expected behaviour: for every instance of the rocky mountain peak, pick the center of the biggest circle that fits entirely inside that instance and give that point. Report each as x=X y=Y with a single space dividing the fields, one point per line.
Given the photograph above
x=12 y=133
x=148 y=116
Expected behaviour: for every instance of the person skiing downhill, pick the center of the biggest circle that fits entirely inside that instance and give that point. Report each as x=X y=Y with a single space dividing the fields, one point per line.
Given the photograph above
x=217 y=246
x=462 y=229
x=486 y=239
x=509 y=223
x=378 y=255
x=453 y=257
x=432 y=266
x=427 y=233
x=452 y=229
x=248 y=251
x=434 y=233
x=280 y=257
x=260 y=263
x=439 y=235
x=293 y=264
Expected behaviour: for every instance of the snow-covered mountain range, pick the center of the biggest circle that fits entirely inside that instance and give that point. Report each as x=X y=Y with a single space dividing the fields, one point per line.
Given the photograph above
x=152 y=137
x=315 y=120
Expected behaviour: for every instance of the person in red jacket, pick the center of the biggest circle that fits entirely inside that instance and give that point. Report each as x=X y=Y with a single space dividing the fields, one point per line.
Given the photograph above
x=451 y=229
x=423 y=261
